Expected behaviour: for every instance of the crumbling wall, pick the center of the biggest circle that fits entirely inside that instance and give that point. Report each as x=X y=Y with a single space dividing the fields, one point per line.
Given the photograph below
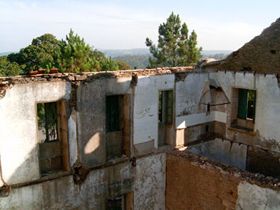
x=222 y=151
x=194 y=109
x=193 y=183
x=267 y=133
x=263 y=161
x=150 y=183
x=61 y=193
x=191 y=186
x=146 y=182
x=18 y=127
x=195 y=118
x=252 y=196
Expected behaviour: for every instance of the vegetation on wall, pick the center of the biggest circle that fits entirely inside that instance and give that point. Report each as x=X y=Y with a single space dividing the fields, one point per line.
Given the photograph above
x=176 y=47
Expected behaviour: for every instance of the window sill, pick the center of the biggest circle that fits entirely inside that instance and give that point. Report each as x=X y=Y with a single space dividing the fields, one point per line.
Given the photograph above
x=242 y=130
x=246 y=125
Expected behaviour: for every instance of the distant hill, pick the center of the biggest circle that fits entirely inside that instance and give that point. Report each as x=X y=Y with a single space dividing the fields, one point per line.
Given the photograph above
x=213 y=52
x=5 y=53
x=145 y=51
x=217 y=54
x=125 y=52
x=135 y=61
x=139 y=58
x=136 y=58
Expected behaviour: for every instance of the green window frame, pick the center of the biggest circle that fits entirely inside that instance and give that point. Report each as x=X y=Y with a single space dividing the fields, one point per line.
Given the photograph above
x=246 y=104
x=113 y=113
x=165 y=107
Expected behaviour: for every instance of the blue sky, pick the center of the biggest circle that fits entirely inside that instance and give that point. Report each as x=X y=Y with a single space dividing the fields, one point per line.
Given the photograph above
x=124 y=24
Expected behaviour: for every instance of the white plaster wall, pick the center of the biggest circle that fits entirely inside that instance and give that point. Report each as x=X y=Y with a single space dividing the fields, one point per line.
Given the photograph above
x=91 y=116
x=268 y=108
x=18 y=127
x=253 y=197
x=72 y=137
x=118 y=85
x=200 y=118
x=145 y=126
x=267 y=103
x=188 y=93
x=62 y=193
x=150 y=182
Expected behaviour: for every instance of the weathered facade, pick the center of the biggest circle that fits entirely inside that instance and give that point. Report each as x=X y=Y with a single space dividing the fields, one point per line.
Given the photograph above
x=99 y=165
x=129 y=162
x=167 y=138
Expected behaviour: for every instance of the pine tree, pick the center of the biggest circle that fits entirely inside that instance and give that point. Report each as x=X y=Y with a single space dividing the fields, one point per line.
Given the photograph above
x=76 y=54
x=175 y=46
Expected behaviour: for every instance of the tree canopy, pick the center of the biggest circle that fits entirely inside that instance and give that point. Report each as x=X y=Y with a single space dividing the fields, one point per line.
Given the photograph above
x=8 y=68
x=176 y=47
x=70 y=55
x=77 y=56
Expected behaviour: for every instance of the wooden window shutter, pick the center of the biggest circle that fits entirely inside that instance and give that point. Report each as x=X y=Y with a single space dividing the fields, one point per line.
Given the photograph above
x=242 y=103
x=63 y=132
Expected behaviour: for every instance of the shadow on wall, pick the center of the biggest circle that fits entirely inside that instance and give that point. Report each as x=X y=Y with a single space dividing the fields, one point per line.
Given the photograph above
x=92 y=132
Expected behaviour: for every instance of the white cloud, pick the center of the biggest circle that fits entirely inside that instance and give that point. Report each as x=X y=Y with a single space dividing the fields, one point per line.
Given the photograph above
x=223 y=35
x=103 y=25
x=108 y=25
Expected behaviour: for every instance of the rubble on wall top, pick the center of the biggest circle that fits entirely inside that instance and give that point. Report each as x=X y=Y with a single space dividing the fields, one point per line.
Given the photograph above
x=88 y=76
x=253 y=178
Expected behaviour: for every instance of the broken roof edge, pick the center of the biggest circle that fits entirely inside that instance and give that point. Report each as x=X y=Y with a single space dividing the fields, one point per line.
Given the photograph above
x=86 y=76
x=253 y=178
x=180 y=73
x=261 y=54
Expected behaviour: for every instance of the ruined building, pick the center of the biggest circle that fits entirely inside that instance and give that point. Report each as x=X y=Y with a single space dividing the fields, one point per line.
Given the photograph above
x=168 y=138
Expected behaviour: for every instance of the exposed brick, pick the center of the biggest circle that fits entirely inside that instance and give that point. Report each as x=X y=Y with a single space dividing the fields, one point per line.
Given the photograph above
x=191 y=186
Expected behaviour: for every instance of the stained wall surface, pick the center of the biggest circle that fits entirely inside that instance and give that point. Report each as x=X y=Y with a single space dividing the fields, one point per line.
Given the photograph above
x=192 y=184
x=146 y=107
x=86 y=137
x=91 y=116
x=146 y=181
x=222 y=151
x=18 y=127
x=195 y=91
x=189 y=186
